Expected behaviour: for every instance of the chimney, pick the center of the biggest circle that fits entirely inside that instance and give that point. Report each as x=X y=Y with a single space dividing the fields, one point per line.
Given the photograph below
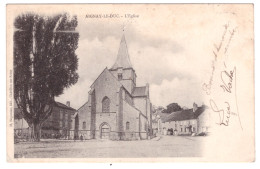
x=195 y=107
x=68 y=103
x=147 y=90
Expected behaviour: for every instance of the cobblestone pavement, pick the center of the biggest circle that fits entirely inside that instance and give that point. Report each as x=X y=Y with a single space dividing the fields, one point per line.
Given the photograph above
x=165 y=146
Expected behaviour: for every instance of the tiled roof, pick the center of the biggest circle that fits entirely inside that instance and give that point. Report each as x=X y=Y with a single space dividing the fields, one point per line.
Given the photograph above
x=61 y=105
x=139 y=91
x=184 y=115
x=18 y=115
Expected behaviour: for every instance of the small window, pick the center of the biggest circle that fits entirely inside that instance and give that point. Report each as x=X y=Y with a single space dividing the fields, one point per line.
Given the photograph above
x=61 y=115
x=70 y=124
x=127 y=126
x=84 y=125
x=120 y=76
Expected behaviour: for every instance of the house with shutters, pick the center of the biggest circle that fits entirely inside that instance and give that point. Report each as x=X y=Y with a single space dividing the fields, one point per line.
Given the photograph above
x=60 y=124
x=187 y=121
x=116 y=108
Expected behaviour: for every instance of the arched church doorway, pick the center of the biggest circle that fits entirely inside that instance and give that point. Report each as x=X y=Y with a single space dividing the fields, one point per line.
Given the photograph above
x=104 y=131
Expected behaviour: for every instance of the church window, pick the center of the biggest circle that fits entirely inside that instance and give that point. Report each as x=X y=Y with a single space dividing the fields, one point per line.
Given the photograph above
x=120 y=76
x=127 y=126
x=84 y=125
x=106 y=104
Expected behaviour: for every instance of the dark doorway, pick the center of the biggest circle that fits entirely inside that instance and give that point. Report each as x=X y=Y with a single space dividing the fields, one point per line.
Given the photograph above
x=105 y=131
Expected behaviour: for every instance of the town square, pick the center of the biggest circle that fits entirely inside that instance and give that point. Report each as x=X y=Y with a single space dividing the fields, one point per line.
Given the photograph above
x=143 y=81
x=164 y=146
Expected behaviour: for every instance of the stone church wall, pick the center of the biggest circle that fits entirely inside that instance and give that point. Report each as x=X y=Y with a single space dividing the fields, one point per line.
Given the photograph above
x=128 y=78
x=140 y=104
x=108 y=118
x=131 y=115
x=106 y=85
x=121 y=111
x=143 y=127
x=84 y=114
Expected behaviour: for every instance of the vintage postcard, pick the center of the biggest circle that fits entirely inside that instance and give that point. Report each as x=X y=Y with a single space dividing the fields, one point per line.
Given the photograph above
x=130 y=83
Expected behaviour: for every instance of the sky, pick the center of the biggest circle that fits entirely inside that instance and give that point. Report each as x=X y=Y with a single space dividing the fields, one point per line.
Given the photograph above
x=164 y=51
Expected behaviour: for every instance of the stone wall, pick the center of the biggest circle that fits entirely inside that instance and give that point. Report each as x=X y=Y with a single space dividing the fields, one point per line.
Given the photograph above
x=131 y=116
x=93 y=114
x=140 y=104
x=84 y=114
x=128 y=78
x=106 y=85
x=121 y=110
x=143 y=127
x=108 y=118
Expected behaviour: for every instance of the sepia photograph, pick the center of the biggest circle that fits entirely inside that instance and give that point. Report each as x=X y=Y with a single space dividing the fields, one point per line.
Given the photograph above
x=130 y=82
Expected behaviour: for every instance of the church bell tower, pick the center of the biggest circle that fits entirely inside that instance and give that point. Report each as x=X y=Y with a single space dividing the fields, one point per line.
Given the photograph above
x=123 y=69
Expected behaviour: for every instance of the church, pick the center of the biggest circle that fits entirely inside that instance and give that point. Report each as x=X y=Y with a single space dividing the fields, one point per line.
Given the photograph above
x=116 y=108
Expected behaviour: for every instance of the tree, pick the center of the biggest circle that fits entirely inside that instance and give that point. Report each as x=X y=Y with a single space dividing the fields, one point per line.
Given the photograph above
x=173 y=107
x=45 y=64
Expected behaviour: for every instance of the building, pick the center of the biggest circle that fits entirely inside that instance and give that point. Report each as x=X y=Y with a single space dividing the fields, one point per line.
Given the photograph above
x=116 y=108
x=21 y=128
x=60 y=124
x=156 y=123
x=187 y=121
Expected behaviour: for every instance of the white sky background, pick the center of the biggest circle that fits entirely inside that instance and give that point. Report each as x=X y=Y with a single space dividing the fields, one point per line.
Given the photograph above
x=164 y=51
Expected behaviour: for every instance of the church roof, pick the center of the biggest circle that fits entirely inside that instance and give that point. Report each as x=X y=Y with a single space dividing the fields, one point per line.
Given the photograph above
x=106 y=70
x=122 y=60
x=139 y=91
